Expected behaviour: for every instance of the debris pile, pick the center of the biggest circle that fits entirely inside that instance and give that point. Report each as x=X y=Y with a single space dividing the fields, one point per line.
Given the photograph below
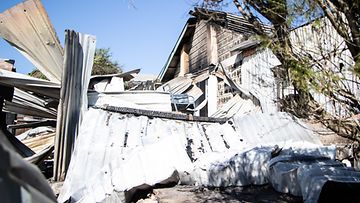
x=110 y=137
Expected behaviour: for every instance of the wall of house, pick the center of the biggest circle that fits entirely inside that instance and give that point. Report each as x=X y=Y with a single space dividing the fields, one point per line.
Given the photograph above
x=226 y=40
x=321 y=40
x=253 y=73
x=198 y=50
x=255 y=70
x=258 y=78
x=177 y=70
x=225 y=92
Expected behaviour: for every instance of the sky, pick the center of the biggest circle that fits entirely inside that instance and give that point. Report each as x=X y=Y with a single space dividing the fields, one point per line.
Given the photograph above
x=139 y=33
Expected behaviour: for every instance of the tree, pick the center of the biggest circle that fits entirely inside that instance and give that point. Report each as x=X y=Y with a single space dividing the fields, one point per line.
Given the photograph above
x=103 y=64
x=304 y=71
x=345 y=17
x=37 y=74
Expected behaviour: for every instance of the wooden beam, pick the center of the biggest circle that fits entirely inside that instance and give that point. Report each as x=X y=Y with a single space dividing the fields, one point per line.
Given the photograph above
x=160 y=114
x=51 y=123
x=184 y=60
x=212 y=45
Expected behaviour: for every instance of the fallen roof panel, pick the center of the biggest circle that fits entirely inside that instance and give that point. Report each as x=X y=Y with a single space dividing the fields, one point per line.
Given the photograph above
x=177 y=85
x=28 y=104
x=126 y=75
x=145 y=100
x=111 y=144
x=78 y=63
x=28 y=83
x=18 y=108
x=274 y=129
x=28 y=29
x=236 y=105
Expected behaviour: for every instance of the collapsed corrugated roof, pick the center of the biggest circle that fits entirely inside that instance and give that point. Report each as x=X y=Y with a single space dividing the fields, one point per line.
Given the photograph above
x=28 y=83
x=236 y=105
x=28 y=104
x=126 y=75
x=146 y=100
x=274 y=129
x=111 y=146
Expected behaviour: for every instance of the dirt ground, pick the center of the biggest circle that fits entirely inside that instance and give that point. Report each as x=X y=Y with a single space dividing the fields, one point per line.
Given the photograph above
x=326 y=136
x=192 y=194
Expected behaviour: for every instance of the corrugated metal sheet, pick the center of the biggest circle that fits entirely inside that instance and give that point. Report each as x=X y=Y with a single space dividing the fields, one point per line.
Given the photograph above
x=27 y=28
x=309 y=176
x=28 y=104
x=111 y=82
x=195 y=92
x=125 y=75
x=78 y=62
x=236 y=105
x=109 y=141
x=177 y=85
x=27 y=83
x=147 y=100
x=328 y=48
x=274 y=129
x=257 y=77
x=318 y=40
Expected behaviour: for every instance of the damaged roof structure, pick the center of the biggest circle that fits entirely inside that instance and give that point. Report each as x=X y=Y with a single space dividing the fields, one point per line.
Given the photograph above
x=213 y=121
x=154 y=150
x=214 y=44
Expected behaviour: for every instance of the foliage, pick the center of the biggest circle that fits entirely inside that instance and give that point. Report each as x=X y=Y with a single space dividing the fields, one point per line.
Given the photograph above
x=37 y=74
x=103 y=64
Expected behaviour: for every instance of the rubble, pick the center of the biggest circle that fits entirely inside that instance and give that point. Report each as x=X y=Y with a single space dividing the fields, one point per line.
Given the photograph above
x=213 y=122
x=21 y=181
x=207 y=154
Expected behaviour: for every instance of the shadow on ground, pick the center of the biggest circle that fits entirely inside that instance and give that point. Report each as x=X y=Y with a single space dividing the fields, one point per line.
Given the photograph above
x=192 y=194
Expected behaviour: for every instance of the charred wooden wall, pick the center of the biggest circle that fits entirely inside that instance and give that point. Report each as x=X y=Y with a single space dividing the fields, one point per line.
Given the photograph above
x=198 y=51
x=226 y=39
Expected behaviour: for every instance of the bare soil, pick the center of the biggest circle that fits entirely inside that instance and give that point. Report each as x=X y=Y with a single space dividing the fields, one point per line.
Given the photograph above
x=192 y=194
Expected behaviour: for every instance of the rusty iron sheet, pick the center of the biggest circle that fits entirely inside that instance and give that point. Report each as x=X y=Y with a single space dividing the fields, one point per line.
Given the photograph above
x=28 y=29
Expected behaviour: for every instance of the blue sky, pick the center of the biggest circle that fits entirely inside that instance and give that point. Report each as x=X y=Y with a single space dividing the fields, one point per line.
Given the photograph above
x=140 y=37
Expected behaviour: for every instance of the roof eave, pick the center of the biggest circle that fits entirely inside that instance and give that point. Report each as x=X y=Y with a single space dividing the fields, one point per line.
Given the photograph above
x=163 y=72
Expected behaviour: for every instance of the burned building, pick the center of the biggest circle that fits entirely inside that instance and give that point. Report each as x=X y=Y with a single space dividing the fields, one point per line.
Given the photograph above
x=110 y=143
x=208 y=39
x=219 y=56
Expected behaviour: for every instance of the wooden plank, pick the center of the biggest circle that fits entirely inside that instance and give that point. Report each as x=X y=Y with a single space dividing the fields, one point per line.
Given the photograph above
x=184 y=60
x=51 y=123
x=212 y=45
x=160 y=114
